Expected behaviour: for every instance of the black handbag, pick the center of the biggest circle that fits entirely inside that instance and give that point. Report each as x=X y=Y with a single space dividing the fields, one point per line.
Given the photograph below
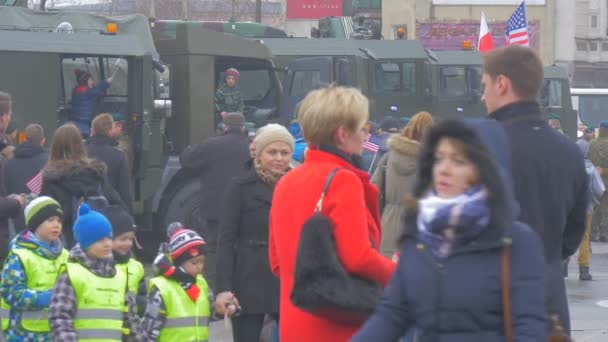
x=321 y=284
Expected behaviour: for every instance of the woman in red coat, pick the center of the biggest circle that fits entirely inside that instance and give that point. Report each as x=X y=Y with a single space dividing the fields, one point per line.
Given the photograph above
x=332 y=121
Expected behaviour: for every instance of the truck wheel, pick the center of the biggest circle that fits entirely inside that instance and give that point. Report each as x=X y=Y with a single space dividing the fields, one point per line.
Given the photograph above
x=182 y=205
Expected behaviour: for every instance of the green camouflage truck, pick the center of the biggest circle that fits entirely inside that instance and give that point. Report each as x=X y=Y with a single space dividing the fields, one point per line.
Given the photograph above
x=245 y=29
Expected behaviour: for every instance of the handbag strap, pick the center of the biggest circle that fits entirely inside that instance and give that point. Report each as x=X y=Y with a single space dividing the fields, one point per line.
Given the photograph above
x=506 y=289
x=330 y=177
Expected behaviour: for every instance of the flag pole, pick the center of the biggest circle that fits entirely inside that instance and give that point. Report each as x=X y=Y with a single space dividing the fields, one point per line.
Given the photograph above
x=372 y=164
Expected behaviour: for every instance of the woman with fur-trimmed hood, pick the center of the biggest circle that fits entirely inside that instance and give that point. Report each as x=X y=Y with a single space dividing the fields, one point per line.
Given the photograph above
x=395 y=177
x=70 y=174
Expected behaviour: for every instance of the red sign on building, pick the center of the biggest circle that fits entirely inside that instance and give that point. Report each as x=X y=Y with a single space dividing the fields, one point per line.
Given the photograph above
x=313 y=9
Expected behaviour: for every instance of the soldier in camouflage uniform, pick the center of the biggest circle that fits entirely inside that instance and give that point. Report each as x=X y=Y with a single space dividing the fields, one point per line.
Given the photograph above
x=598 y=154
x=228 y=98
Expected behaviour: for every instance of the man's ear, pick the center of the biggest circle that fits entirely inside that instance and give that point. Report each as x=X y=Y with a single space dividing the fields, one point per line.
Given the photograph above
x=503 y=83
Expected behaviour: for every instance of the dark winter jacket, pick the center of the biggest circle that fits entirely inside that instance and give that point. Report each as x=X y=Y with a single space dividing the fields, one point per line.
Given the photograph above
x=84 y=100
x=76 y=179
x=105 y=149
x=243 y=266
x=217 y=161
x=29 y=159
x=550 y=179
x=459 y=299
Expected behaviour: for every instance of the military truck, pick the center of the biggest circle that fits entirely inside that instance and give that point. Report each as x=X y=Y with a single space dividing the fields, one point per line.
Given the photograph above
x=168 y=106
x=198 y=59
x=389 y=74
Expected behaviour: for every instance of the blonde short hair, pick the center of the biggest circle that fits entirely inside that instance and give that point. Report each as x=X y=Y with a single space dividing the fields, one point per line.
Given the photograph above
x=324 y=110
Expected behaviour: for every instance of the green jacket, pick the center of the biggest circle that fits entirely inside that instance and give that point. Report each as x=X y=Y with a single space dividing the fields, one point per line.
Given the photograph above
x=598 y=154
x=229 y=100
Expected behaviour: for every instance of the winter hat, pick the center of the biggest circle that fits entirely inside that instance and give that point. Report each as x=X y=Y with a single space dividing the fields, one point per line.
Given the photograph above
x=184 y=244
x=90 y=227
x=389 y=123
x=120 y=219
x=234 y=119
x=269 y=134
x=554 y=116
x=82 y=76
x=233 y=72
x=40 y=210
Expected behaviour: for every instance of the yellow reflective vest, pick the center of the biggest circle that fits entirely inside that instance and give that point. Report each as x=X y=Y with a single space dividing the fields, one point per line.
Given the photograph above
x=187 y=321
x=135 y=272
x=100 y=304
x=41 y=274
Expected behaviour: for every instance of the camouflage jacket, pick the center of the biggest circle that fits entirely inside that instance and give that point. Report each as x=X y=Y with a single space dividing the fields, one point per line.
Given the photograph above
x=228 y=100
x=598 y=154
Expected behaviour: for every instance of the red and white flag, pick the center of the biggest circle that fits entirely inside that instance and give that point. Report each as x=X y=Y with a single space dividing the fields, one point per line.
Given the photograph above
x=517 y=27
x=35 y=184
x=484 y=44
x=370 y=146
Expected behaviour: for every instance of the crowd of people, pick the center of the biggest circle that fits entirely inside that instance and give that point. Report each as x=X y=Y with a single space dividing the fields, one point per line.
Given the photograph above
x=453 y=229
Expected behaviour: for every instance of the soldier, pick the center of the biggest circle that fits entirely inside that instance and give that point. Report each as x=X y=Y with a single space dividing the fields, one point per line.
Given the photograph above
x=555 y=122
x=598 y=154
x=228 y=98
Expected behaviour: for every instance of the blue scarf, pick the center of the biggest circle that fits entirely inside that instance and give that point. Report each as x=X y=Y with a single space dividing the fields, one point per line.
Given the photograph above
x=447 y=223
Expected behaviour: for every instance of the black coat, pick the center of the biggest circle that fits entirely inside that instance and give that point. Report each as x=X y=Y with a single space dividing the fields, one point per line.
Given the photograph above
x=217 y=160
x=549 y=177
x=243 y=265
x=75 y=179
x=29 y=159
x=104 y=149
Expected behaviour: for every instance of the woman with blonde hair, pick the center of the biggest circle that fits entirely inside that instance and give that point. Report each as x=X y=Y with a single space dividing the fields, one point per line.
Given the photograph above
x=395 y=177
x=332 y=121
x=70 y=176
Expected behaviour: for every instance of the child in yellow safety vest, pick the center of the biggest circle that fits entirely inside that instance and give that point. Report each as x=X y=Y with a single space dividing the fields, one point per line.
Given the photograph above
x=33 y=263
x=90 y=300
x=180 y=302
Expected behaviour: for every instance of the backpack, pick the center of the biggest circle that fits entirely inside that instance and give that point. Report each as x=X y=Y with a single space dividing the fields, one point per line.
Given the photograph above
x=97 y=202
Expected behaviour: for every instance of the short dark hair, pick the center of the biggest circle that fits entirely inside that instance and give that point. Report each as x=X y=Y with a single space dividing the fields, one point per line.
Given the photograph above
x=6 y=103
x=521 y=65
x=34 y=133
x=102 y=124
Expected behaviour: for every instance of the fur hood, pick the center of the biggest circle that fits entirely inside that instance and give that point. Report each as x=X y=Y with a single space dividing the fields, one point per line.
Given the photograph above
x=79 y=177
x=403 y=154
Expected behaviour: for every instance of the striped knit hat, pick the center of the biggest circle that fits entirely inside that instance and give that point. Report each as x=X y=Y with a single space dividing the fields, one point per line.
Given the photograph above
x=40 y=210
x=184 y=244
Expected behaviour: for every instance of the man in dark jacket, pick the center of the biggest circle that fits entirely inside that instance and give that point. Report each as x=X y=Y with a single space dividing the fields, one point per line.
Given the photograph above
x=30 y=158
x=217 y=160
x=101 y=146
x=548 y=169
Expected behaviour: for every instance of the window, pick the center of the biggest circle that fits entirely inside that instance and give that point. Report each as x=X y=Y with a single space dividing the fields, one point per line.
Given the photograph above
x=305 y=81
x=594 y=21
x=592 y=46
x=604 y=46
x=118 y=68
x=551 y=95
x=581 y=45
x=396 y=77
x=254 y=84
x=592 y=109
x=453 y=82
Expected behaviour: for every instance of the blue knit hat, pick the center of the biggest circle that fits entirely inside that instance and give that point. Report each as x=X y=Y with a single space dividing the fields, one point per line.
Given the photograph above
x=91 y=227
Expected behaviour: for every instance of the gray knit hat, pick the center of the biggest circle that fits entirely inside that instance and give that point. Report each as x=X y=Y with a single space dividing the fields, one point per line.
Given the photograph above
x=234 y=119
x=269 y=134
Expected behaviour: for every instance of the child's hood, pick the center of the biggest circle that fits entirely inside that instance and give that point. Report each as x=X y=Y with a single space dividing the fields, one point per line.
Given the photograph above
x=29 y=241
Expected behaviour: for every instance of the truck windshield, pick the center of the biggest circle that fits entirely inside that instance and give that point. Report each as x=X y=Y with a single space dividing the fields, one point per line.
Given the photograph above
x=551 y=95
x=119 y=67
x=460 y=81
x=395 y=77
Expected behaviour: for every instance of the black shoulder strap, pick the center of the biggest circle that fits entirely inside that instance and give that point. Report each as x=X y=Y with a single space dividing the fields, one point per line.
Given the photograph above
x=330 y=177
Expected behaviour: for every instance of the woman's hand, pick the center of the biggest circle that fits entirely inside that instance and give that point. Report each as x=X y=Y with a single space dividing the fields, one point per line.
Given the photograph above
x=226 y=303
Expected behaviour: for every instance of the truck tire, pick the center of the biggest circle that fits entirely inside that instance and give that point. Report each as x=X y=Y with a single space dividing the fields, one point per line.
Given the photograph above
x=182 y=204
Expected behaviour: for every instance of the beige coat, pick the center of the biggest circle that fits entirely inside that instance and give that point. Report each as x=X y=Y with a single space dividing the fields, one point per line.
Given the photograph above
x=395 y=177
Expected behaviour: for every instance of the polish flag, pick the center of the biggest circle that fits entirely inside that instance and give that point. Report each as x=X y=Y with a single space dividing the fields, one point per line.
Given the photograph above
x=485 y=38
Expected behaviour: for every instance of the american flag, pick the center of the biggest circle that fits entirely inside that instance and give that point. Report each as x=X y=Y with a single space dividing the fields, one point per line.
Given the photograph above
x=517 y=27
x=35 y=184
x=370 y=146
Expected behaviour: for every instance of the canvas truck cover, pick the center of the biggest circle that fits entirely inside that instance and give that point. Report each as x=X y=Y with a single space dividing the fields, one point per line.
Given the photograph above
x=131 y=28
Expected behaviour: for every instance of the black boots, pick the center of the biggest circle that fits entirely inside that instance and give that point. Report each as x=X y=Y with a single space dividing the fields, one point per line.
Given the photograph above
x=584 y=273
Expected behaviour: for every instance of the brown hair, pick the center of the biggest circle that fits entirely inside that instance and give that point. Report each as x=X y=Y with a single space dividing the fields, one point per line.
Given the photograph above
x=67 y=145
x=324 y=110
x=521 y=65
x=419 y=124
x=102 y=124
x=6 y=103
x=34 y=133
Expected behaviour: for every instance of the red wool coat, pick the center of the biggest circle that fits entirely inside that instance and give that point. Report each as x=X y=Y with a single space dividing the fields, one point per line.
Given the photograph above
x=352 y=205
